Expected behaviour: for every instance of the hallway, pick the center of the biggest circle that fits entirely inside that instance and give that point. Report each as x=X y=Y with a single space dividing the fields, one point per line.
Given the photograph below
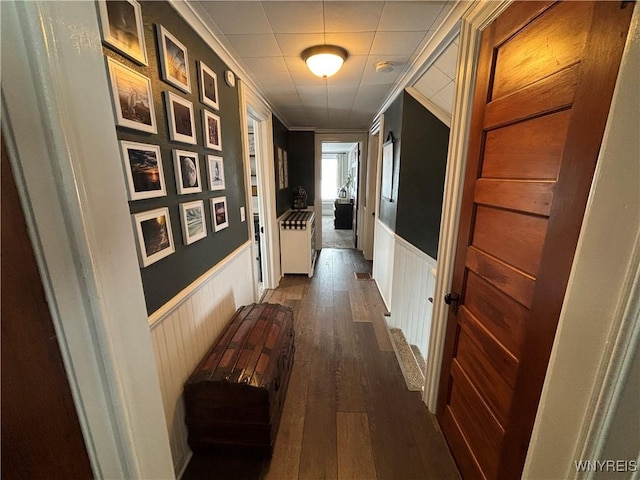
x=348 y=414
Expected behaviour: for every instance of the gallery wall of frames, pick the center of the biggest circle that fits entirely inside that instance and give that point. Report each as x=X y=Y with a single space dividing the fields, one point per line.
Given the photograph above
x=176 y=114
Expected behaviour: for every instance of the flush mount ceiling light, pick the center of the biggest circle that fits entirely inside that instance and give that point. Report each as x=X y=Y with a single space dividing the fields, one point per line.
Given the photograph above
x=324 y=60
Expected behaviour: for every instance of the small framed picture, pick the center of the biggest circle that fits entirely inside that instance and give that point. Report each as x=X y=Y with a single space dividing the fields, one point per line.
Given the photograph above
x=211 y=124
x=187 y=169
x=286 y=169
x=132 y=98
x=122 y=28
x=280 y=160
x=174 y=60
x=219 y=213
x=194 y=225
x=143 y=168
x=180 y=118
x=208 y=86
x=216 y=172
x=155 y=238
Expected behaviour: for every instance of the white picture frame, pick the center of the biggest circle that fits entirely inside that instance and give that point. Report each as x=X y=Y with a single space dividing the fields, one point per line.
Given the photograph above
x=187 y=168
x=142 y=164
x=215 y=169
x=208 y=86
x=219 y=213
x=387 y=171
x=212 y=130
x=132 y=98
x=180 y=119
x=122 y=29
x=193 y=221
x=174 y=60
x=154 y=235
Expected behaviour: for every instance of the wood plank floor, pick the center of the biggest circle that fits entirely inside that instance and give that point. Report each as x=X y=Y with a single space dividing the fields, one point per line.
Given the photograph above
x=348 y=414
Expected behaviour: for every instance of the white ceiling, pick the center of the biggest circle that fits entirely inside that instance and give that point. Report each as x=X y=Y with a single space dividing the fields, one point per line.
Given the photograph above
x=267 y=37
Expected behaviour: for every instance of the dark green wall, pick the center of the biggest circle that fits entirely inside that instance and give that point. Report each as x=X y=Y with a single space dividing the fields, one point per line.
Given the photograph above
x=281 y=139
x=420 y=158
x=425 y=141
x=302 y=151
x=300 y=147
x=168 y=276
x=392 y=125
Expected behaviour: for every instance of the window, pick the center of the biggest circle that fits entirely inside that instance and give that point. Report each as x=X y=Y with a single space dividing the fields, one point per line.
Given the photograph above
x=329 y=177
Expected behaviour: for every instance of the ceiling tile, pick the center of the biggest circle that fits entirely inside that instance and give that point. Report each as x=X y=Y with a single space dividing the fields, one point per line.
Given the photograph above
x=371 y=97
x=432 y=81
x=447 y=61
x=444 y=98
x=268 y=70
x=409 y=16
x=396 y=43
x=371 y=77
x=292 y=44
x=342 y=95
x=238 y=17
x=259 y=45
x=294 y=17
x=354 y=43
x=352 y=16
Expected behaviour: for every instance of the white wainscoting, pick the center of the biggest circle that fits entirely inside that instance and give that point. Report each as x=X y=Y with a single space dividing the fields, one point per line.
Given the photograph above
x=412 y=285
x=183 y=331
x=383 y=255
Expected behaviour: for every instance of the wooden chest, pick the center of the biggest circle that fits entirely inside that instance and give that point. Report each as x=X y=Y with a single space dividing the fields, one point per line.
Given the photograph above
x=236 y=394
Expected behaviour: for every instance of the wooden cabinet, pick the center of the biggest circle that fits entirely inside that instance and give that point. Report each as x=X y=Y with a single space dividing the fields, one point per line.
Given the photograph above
x=298 y=242
x=343 y=215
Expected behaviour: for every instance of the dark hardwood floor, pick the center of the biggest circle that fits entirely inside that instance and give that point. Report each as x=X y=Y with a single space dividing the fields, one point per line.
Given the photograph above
x=348 y=414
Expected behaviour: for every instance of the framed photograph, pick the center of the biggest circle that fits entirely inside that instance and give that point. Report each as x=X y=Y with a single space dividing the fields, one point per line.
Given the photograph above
x=174 y=60
x=387 y=171
x=286 y=169
x=143 y=168
x=155 y=238
x=132 y=98
x=208 y=86
x=211 y=124
x=219 y=213
x=187 y=169
x=180 y=118
x=194 y=225
x=252 y=145
x=216 y=172
x=280 y=160
x=122 y=28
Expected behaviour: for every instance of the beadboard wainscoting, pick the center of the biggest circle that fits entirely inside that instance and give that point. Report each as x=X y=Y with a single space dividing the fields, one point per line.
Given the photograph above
x=183 y=331
x=383 y=256
x=412 y=286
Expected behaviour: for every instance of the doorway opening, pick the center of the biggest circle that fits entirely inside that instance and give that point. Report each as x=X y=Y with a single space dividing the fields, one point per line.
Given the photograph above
x=339 y=194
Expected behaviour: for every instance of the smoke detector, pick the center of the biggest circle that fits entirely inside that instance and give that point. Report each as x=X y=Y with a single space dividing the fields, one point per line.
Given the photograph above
x=384 y=67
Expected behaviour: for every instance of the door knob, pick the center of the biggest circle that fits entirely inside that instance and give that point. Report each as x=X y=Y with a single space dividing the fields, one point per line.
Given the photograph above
x=451 y=297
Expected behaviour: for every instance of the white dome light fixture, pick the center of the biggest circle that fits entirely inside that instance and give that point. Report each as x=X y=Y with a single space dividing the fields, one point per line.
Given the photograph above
x=324 y=60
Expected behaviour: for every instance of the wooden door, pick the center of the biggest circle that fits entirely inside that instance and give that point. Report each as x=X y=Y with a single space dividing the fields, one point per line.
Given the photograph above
x=545 y=79
x=41 y=437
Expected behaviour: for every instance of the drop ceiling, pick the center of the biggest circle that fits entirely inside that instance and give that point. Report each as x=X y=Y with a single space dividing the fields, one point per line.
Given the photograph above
x=266 y=39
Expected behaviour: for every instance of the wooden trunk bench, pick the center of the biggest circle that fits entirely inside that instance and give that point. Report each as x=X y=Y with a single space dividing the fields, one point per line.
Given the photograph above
x=236 y=394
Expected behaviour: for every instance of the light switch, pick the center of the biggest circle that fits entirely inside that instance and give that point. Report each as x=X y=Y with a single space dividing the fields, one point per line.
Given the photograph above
x=242 y=214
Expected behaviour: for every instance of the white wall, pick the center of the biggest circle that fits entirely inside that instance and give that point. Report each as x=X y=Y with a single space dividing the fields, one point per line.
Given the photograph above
x=412 y=284
x=383 y=260
x=185 y=330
